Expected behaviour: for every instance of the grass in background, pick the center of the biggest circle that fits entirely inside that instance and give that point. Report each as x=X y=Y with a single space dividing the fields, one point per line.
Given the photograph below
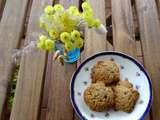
x=12 y=89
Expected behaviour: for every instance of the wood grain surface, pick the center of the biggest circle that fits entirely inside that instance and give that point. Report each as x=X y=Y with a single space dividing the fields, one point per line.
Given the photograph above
x=2 y=3
x=123 y=30
x=30 y=80
x=123 y=27
x=59 y=106
x=158 y=6
x=95 y=42
x=10 y=31
x=150 y=34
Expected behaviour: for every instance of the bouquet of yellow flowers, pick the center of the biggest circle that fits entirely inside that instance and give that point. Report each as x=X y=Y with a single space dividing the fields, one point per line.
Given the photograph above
x=63 y=30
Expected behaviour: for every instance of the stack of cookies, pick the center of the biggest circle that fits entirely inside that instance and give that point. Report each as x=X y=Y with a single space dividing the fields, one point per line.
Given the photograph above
x=108 y=91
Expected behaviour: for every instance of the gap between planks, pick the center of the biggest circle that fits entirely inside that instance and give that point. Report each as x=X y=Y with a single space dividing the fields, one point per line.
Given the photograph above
x=94 y=42
x=56 y=107
x=20 y=46
x=150 y=34
x=132 y=47
x=30 y=82
x=2 y=5
x=9 y=41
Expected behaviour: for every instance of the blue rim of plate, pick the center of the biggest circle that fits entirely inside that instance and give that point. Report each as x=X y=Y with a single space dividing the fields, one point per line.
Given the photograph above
x=102 y=54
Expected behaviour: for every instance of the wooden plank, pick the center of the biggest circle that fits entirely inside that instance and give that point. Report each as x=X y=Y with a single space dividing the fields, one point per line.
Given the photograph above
x=10 y=31
x=107 y=7
x=43 y=114
x=110 y=46
x=108 y=15
x=2 y=2
x=150 y=34
x=158 y=6
x=140 y=59
x=28 y=91
x=95 y=42
x=148 y=117
x=47 y=82
x=76 y=117
x=30 y=80
x=59 y=106
x=47 y=86
x=123 y=29
x=108 y=3
x=136 y=24
x=139 y=52
x=138 y=48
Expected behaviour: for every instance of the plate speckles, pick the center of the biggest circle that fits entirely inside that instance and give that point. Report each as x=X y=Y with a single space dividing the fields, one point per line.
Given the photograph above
x=126 y=79
x=141 y=102
x=138 y=74
x=122 y=67
x=107 y=114
x=79 y=93
x=85 y=82
x=92 y=115
x=86 y=69
x=111 y=59
x=137 y=87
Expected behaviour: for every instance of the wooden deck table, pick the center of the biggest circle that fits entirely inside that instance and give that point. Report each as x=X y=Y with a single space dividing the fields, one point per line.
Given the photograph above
x=42 y=90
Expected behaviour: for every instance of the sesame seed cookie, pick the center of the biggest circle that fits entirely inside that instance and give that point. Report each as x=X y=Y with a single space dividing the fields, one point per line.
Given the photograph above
x=105 y=71
x=125 y=96
x=125 y=83
x=99 y=97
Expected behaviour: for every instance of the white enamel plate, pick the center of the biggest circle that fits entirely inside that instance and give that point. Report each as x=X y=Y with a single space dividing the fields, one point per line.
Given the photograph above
x=130 y=69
